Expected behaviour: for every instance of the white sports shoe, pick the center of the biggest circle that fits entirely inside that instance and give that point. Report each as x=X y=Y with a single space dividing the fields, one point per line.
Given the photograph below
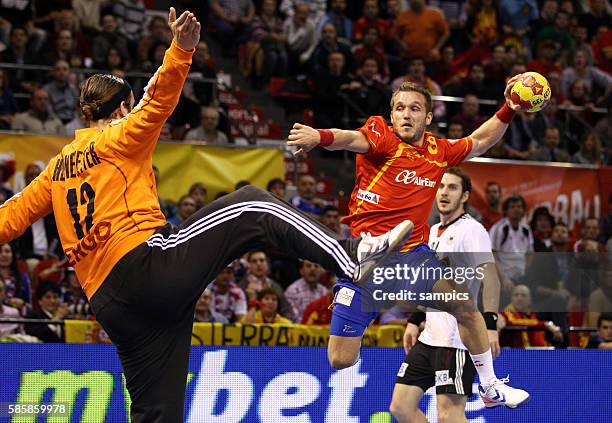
x=372 y=251
x=498 y=393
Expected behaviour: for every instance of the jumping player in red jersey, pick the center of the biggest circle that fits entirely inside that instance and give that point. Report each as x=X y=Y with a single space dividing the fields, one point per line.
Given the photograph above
x=399 y=168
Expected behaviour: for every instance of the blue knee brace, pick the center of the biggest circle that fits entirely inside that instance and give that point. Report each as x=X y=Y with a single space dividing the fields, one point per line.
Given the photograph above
x=348 y=318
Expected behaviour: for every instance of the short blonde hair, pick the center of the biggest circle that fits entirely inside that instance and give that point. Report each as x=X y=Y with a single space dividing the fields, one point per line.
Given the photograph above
x=412 y=87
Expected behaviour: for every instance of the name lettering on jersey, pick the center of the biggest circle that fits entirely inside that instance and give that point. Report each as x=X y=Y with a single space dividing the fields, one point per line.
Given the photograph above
x=75 y=163
x=409 y=177
x=368 y=196
x=96 y=236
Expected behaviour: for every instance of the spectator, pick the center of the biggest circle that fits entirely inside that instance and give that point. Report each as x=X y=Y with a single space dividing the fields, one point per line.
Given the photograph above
x=7 y=312
x=88 y=14
x=38 y=119
x=548 y=13
x=597 y=82
x=7 y=170
x=19 y=53
x=130 y=16
x=110 y=36
x=421 y=31
x=602 y=339
x=268 y=51
x=337 y=17
x=474 y=83
x=318 y=312
x=8 y=107
x=545 y=61
x=597 y=17
x=369 y=49
x=155 y=58
x=207 y=132
x=589 y=232
x=469 y=117
x=158 y=33
x=77 y=122
x=198 y=192
x=483 y=26
x=66 y=20
x=548 y=118
x=371 y=96
x=227 y=297
x=549 y=151
x=559 y=34
x=316 y=9
x=330 y=43
x=63 y=48
x=330 y=217
x=203 y=66
x=301 y=37
x=518 y=313
x=73 y=296
x=444 y=70
x=603 y=129
x=277 y=187
x=602 y=51
x=115 y=61
x=590 y=150
x=204 y=311
x=455 y=131
x=541 y=225
x=328 y=98
x=511 y=239
x=16 y=283
x=600 y=300
x=306 y=200
x=40 y=240
x=266 y=309
x=416 y=74
x=515 y=17
x=64 y=98
x=241 y=184
x=256 y=279
x=186 y=207
x=370 y=19
x=306 y=289
x=48 y=297
x=232 y=22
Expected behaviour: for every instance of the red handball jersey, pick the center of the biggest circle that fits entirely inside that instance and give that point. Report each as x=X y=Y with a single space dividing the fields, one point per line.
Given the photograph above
x=397 y=181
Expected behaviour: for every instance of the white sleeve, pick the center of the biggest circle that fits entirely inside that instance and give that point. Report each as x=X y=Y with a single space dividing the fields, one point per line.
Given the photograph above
x=240 y=307
x=493 y=233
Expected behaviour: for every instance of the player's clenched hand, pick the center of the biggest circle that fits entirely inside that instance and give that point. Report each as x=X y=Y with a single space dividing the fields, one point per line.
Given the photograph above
x=508 y=90
x=304 y=137
x=410 y=336
x=185 y=29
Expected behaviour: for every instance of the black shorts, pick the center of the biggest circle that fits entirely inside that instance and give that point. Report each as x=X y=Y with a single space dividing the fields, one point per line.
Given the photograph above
x=450 y=369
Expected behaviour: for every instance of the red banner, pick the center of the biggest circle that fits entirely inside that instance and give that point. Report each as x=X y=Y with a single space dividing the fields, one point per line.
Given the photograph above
x=571 y=193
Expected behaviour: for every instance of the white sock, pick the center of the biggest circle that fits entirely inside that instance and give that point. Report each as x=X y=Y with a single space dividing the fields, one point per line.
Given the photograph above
x=484 y=366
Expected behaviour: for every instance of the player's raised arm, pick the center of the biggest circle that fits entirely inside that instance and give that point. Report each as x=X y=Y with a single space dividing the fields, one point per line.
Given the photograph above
x=143 y=125
x=491 y=132
x=25 y=207
x=307 y=138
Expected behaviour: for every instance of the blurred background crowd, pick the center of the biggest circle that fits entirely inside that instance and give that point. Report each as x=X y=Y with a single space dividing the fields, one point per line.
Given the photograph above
x=329 y=64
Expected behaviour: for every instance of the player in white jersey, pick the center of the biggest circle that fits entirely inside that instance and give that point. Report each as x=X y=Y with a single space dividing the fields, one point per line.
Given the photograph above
x=439 y=358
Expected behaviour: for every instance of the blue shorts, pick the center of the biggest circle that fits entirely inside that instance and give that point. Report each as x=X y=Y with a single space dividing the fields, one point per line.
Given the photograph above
x=356 y=307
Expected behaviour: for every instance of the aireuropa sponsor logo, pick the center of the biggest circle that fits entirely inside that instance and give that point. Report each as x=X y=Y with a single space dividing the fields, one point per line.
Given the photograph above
x=410 y=177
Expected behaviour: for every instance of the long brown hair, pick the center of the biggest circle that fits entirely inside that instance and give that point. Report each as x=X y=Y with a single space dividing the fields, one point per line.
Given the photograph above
x=101 y=94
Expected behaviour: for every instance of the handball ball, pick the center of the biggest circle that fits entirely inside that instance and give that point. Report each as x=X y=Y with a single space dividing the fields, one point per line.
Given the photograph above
x=531 y=92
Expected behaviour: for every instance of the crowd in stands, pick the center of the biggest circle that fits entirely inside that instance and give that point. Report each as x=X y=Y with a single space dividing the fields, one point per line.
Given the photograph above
x=345 y=57
x=349 y=56
x=551 y=292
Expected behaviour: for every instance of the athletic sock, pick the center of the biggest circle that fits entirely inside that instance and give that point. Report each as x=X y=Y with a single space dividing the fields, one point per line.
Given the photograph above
x=484 y=366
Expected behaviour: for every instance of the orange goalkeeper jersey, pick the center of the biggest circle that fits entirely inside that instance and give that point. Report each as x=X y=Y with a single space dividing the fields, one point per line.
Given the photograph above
x=101 y=186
